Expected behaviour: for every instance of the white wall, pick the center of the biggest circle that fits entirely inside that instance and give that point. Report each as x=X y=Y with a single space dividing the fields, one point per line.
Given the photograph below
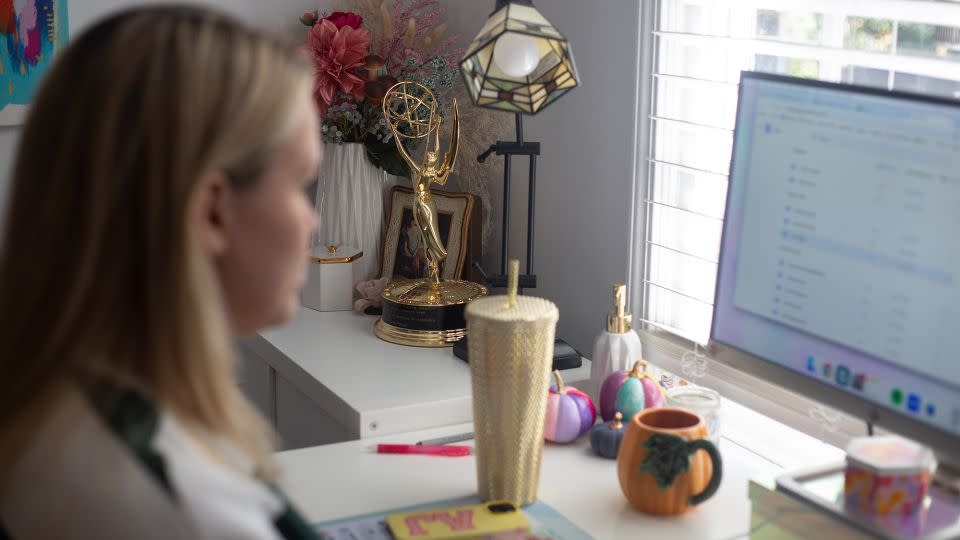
x=585 y=177
x=8 y=143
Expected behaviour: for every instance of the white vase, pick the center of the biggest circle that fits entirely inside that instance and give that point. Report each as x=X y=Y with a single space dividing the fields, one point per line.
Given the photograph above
x=350 y=194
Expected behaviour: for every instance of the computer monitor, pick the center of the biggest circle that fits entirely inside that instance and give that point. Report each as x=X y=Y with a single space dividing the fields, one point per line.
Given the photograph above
x=839 y=271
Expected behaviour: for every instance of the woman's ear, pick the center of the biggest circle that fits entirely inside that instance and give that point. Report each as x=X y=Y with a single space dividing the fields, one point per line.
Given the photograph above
x=212 y=213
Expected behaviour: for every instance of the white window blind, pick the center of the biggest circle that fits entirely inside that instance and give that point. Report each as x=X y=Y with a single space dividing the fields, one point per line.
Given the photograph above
x=700 y=47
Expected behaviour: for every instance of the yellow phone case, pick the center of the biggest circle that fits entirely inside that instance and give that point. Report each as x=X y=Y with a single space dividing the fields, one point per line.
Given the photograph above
x=476 y=521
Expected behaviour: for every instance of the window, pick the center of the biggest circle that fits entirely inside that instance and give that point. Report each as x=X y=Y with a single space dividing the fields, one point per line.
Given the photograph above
x=698 y=49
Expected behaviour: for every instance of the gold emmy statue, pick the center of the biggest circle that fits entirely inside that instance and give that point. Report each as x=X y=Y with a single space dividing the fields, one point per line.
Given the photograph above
x=427 y=312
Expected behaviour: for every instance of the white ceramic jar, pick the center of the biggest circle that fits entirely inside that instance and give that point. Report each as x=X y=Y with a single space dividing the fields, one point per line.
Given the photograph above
x=330 y=278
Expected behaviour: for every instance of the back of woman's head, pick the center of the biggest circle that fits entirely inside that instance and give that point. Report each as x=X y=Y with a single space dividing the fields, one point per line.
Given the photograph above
x=99 y=271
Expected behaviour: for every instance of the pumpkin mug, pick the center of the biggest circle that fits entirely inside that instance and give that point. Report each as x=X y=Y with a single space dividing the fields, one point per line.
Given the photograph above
x=665 y=464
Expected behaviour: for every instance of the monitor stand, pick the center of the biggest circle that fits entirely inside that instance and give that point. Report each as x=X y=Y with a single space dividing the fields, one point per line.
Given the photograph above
x=822 y=487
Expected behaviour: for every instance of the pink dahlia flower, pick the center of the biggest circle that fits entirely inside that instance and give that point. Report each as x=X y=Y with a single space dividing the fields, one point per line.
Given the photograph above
x=338 y=54
x=345 y=18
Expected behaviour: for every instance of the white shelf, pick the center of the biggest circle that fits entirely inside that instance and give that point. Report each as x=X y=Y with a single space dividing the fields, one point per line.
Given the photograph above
x=369 y=386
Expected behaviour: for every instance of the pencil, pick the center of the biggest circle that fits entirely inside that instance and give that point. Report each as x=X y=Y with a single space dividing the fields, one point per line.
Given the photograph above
x=447 y=440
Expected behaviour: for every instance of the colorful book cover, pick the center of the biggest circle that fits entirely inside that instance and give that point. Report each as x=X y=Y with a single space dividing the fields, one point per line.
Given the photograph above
x=544 y=520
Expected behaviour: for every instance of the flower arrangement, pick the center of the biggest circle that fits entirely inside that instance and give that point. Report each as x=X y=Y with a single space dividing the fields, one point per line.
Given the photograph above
x=359 y=53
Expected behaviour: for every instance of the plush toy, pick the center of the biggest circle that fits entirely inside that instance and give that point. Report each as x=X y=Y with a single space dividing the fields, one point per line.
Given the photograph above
x=630 y=392
x=605 y=438
x=570 y=413
x=369 y=301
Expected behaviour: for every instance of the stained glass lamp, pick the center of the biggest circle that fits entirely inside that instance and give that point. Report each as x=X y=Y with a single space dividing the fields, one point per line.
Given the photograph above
x=518 y=62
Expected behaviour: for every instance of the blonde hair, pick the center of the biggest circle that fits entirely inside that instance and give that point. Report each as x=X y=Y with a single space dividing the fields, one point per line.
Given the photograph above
x=100 y=271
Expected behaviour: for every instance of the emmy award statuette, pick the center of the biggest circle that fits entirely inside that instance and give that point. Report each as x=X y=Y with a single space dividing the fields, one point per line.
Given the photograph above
x=427 y=312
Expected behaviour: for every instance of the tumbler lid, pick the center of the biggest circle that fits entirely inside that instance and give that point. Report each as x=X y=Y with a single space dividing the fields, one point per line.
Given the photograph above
x=526 y=309
x=511 y=308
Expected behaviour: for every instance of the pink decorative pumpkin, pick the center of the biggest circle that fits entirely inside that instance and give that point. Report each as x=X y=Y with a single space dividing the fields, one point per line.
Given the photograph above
x=652 y=394
x=570 y=413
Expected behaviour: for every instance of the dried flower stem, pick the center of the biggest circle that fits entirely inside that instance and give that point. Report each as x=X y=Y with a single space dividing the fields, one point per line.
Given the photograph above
x=387 y=21
x=410 y=33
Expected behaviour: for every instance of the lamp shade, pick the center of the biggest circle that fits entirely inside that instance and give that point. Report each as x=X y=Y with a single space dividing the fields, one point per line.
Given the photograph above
x=518 y=62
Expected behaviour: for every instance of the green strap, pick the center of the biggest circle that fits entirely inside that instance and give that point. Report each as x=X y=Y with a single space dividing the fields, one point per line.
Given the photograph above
x=292 y=526
x=715 y=477
x=134 y=420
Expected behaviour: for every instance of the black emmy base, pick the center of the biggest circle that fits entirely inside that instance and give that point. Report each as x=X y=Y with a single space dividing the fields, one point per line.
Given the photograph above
x=423 y=313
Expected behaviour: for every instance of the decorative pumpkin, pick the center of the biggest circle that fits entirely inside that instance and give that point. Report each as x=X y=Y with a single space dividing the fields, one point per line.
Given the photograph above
x=570 y=413
x=605 y=439
x=630 y=392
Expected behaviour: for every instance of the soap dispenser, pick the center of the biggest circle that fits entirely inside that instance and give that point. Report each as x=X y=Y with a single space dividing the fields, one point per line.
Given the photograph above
x=617 y=348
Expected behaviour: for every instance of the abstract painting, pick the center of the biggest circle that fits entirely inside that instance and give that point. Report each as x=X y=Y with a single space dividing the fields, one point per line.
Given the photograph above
x=31 y=33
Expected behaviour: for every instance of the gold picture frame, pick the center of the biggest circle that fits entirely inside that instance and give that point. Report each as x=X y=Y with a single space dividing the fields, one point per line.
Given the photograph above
x=400 y=255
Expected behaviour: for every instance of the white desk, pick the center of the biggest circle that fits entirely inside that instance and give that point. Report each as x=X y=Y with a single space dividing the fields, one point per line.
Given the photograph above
x=348 y=479
x=581 y=486
x=332 y=380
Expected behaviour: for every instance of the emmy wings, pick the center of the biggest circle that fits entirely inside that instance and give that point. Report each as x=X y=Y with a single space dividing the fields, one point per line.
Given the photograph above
x=450 y=158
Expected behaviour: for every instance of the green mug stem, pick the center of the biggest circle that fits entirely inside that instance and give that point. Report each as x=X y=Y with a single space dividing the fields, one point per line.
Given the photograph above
x=715 y=476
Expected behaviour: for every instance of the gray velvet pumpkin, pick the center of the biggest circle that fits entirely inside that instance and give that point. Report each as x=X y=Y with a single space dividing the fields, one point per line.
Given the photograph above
x=605 y=438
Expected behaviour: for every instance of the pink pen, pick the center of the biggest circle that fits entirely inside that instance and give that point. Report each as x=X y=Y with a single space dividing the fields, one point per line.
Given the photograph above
x=425 y=449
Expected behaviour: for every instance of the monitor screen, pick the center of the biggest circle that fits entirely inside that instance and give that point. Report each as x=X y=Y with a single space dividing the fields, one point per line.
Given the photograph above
x=841 y=246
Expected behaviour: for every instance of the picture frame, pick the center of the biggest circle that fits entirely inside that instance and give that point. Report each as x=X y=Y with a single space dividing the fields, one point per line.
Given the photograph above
x=401 y=256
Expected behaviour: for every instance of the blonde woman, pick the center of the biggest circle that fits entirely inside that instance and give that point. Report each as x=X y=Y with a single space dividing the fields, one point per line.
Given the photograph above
x=156 y=211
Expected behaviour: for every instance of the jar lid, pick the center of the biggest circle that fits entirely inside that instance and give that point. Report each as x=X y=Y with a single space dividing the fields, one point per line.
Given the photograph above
x=890 y=454
x=334 y=254
x=694 y=397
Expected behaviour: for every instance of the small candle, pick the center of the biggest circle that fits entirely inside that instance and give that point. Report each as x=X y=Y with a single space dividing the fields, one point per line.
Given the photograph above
x=702 y=401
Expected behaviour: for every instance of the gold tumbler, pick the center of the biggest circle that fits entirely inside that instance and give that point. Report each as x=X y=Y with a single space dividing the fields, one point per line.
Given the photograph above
x=511 y=352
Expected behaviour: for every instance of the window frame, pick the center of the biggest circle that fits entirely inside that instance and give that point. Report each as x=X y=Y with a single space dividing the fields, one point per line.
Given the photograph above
x=665 y=349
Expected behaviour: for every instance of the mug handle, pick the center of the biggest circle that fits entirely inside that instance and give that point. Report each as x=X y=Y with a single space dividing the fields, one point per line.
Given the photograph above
x=715 y=476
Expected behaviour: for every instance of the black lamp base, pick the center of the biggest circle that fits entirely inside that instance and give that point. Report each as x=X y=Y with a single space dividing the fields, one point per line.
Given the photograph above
x=564 y=356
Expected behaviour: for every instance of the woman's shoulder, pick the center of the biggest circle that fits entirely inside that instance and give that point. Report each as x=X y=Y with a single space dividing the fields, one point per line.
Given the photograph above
x=78 y=479
x=108 y=463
